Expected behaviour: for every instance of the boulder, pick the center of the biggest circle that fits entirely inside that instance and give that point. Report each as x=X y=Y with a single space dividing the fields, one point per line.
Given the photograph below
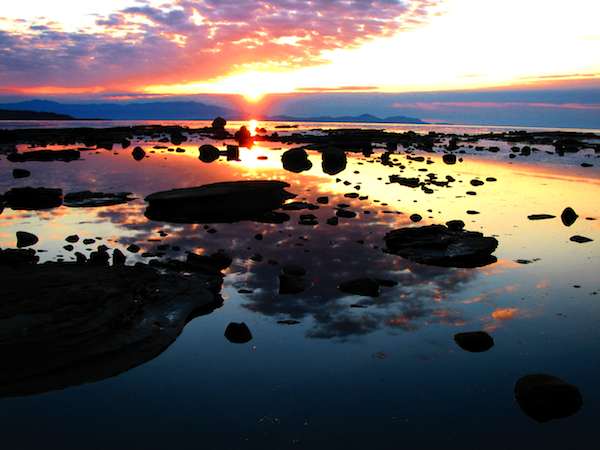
x=333 y=162
x=219 y=202
x=296 y=160
x=208 y=153
x=138 y=153
x=545 y=397
x=25 y=239
x=238 y=333
x=474 y=341
x=568 y=216
x=438 y=245
x=219 y=123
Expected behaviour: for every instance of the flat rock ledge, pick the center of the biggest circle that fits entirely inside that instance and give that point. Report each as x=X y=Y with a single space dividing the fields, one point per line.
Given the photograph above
x=225 y=202
x=438 y=245
x=65 y=324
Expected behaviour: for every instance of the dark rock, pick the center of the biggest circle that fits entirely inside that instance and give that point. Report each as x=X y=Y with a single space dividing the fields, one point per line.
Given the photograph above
x=545 y=397
x=477 y=183
x=323 y=200
x=218 y=203
x=438 y=245
x=455 y=225
x=72 y=239
x=540 y=216
x=288 y=322
x=28 y=198
x=308 y=219
x=367 y=287
x=345 y=214
x=296 y=160
x=88 y=199
x=449 y=158
x=333 y=221
x=68 y=247
x=138 y=153
x=86 y=323
x=293 y=270
x=20 y=173
x=333 y=162
x=208 y=153
x=580 y=239
x=212 y=264
x=238 y=333
x=133 y=248
x=403 y=181
x=118 y=258
x=100 y=257
x=45 y=156
x=219 y=123
x=298 y=206
x=25 y=239
x=474 y=341
x=568 y=216
x=416 y=217
x=244 y=137
x=11 y=257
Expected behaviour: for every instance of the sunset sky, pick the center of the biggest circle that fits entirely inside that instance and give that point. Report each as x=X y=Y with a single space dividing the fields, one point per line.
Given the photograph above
x=127 y=50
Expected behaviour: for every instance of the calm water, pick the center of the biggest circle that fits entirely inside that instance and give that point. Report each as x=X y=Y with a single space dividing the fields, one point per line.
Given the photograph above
x=388 y=375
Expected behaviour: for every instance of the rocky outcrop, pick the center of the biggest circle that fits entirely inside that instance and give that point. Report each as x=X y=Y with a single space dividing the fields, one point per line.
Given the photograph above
x=219 y=202
x=85 y=323
x=439 y=245
x=29 y=198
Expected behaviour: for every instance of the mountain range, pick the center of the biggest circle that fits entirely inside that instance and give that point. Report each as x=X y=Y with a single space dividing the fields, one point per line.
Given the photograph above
x=174 y=110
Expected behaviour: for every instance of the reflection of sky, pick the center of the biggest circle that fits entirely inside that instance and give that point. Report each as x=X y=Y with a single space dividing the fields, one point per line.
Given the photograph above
x=395 y=345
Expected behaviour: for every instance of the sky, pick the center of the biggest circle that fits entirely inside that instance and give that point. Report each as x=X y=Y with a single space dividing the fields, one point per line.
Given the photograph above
x=425 y=57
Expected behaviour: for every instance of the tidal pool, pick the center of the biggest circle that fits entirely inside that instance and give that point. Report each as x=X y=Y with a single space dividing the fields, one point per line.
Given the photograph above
x=353 y=371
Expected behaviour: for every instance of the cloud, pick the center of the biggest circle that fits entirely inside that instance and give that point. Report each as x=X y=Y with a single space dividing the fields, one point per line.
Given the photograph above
x=185 y=40
x=438 y=106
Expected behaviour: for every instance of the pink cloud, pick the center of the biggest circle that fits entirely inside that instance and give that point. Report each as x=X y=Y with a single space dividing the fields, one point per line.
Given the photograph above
x=191 y=40
x=440 y=106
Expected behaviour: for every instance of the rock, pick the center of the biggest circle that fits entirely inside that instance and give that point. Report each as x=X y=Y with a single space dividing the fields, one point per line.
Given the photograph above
x=25 y=239
x=333 y=221
x=209 y=153
x=296 y=160
x=68 y=247
x=438 y=245
x=323 y=200
x=540 y=216
x=45 y=156
x=87 y=323
x=238 y=333
x=308 y=219
x=545 y=397
x=118 y=258
x=298 y=206
x=367 y=287
x=345 y=214
x=138 y=153
x=100 y=257
x=474 y=341
x=288 y=322
x=244 y=137
x=11 y=257
x=219 y=202
x=580 y=239
x=568 y=216
x=416 y=217
x=476 y=182
x=72 y=239
x=403 y=181
x=88 y=199
x=293 y=270
x=20 y=173
x=132 y=248
x=455 y=225
x=449 y=158
x=219 y=123
x=29 y=198
x=333 y=162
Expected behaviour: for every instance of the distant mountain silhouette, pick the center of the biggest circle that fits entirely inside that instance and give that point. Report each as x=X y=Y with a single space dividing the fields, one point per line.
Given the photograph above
x=7 y=114
x=363 y=118
x=127 y=111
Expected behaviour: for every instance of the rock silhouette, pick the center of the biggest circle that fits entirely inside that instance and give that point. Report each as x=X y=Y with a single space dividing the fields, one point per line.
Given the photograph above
x=545 y=397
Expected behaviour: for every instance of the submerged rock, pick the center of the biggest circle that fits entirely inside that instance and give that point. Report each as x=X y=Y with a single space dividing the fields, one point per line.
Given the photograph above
x=88 y=199
x=438 y=245
x=296 y=160
x=103 y=321
x=45 y=156
x=580 y=239
x=238 y=333
x=474 y=341
x=219 y=202
x=25 y=239
x=545 y=397
x=29 y=198
x=568 y=216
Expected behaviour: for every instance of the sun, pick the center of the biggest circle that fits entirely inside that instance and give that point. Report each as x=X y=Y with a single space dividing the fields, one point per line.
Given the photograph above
x=253 y=94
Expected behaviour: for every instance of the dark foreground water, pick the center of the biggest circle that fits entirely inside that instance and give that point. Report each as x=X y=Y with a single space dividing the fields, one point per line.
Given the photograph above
x=384 y=375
